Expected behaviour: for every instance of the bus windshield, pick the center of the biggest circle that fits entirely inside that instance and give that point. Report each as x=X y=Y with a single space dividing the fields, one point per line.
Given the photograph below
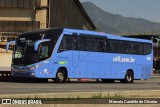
x=24 y=53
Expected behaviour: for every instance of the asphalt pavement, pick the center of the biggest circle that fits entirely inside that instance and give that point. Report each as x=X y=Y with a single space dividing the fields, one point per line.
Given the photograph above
x=10 y=88
x=139 y=89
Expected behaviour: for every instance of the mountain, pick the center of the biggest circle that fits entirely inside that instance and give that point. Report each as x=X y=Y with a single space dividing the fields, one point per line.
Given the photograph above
x=114 y=23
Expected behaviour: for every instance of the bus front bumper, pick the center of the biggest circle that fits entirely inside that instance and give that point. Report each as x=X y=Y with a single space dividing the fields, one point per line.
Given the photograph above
x=21 y=74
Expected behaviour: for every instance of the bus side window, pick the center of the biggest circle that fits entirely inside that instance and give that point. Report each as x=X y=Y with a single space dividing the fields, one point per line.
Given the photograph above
x=44 y=51
x=138 y=48
x=102 y=45
x=125 y=47
x=113 y=46
x=82 y=43
x=95 y=45
x=88 y=43
x=67 y=43
x=85 y=43
x=147 y=48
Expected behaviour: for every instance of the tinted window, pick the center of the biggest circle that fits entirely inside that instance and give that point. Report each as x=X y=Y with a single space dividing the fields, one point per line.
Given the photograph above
x=90 y=43
x=137 y=48
x=84 y=43
x=44 y=51
x=129 y=47
x=125 y=47
x=95 y=45
x=102 y=45
x=67 y=43
x=147 y=48
x=113 y=46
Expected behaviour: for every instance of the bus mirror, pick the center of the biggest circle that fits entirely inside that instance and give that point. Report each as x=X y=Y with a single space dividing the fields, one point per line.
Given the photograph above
x=39 y=42
x=8 y=44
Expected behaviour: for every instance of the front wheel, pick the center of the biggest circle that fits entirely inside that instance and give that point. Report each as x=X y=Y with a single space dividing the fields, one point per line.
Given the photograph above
x=128 y=77
x=61 y=76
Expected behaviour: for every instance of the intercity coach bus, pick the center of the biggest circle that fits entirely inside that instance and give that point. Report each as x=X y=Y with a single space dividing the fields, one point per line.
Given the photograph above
x=61 y=54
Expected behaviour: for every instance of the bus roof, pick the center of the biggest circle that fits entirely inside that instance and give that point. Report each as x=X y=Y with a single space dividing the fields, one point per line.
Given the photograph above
x=110 y=36
x=63 y=30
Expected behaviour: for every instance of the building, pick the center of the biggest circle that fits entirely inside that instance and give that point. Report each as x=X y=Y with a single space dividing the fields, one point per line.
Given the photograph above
x=17 y=16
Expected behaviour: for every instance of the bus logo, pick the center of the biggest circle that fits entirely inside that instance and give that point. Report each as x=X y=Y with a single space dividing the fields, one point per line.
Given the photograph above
x=128 y=60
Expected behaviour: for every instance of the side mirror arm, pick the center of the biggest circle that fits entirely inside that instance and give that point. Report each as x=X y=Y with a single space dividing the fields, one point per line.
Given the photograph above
x=39 y=42
x=8 y=44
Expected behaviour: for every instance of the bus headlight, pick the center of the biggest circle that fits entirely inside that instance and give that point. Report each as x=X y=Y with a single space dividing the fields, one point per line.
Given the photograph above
x=37 y=66
x=34 y=67
x=32 y=74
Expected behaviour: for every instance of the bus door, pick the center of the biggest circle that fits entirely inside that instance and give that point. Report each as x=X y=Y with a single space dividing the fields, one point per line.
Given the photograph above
x=46 y=69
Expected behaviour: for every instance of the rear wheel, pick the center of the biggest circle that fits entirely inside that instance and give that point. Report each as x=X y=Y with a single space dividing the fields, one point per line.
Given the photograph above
x=61 y=76
x=128 y=77
x=107 y=81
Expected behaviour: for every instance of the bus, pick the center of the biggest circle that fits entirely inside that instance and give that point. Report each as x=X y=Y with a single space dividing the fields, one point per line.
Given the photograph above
x=61 y=54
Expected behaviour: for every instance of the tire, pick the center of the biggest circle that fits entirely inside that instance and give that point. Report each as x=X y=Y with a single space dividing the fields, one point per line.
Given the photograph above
x=107 y=81
x=128 y=77
x=61 y=76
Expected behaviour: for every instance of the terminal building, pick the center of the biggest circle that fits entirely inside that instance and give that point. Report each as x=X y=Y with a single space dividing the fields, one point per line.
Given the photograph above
x=17 y=16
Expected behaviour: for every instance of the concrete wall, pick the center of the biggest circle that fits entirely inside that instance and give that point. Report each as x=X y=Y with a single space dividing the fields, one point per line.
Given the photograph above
x=23 y=15
x=61 y=13
x=7 y=14
x=5 y=61
x=17 y=16
x=41 y=15
x=23 y=10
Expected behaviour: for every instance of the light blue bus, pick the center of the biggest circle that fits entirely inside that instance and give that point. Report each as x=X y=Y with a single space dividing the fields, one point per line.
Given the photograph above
x=61 y=54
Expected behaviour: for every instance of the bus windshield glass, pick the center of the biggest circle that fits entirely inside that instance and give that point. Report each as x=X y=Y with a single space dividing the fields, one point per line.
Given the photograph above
x=24 y=51
x=25 y=54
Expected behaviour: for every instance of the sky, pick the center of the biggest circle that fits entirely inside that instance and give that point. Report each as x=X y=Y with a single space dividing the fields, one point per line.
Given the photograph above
x=146 y=9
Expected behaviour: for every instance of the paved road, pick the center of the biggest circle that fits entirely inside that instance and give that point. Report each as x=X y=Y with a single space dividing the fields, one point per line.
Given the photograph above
x=51 y=87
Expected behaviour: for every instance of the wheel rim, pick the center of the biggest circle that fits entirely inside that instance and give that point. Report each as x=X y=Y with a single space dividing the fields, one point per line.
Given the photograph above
x=129 y=77
x=60 y=76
